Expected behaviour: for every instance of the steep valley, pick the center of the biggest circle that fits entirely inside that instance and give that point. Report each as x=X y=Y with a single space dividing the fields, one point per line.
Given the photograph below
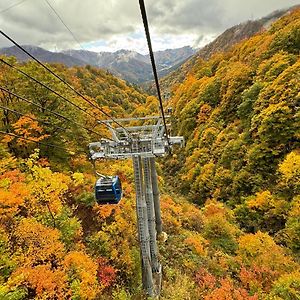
x=230 y=198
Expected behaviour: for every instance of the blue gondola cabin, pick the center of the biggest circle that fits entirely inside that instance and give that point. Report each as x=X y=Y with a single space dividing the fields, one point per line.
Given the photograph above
x=108 y=190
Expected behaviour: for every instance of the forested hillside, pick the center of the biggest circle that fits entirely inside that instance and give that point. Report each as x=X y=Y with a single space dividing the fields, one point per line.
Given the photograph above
x=129 y=65
x=230 y=200
x=113 y=95
x=239 y=112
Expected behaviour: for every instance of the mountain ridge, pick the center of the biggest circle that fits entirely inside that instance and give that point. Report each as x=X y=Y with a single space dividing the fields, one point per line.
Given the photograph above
x=127 y=64
x=41 y=54
x=224 y=42
x=172 y=64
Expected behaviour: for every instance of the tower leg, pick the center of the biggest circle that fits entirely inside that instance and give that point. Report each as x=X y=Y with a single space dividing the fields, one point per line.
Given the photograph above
x=143 y=231
x=151 y=214
x=156 y=197
x=156 y=266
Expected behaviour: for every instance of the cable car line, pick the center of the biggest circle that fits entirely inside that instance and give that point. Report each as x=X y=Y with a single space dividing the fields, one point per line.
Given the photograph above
x=66 y=26
x=48 y=110
x=12 y=6
x=32 y=118
x=50 y=89
x=146 y=26
x=142 y=149
x=44 y=85
x=37 y=142
x=62 y=80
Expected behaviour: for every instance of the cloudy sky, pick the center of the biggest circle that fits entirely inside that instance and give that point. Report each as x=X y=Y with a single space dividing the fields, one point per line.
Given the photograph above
x=110 y=25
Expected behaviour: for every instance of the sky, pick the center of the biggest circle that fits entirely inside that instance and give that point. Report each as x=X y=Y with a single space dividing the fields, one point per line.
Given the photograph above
x=111 y=25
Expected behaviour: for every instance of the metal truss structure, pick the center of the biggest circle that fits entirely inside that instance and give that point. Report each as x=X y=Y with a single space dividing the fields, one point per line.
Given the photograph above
x=143 y=143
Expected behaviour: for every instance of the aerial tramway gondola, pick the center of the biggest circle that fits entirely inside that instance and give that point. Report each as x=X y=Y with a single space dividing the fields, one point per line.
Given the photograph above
x=108 y=190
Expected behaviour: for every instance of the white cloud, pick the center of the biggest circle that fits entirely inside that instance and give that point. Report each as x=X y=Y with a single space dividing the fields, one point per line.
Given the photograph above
x=113 y=24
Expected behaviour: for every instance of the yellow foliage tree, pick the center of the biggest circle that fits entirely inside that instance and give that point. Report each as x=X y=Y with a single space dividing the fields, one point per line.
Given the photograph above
x=37 y=243
x=28 y=128
x=82 y=271
x=42 y=281
x=290 y=172
x=13 y=193
x=47 y=189
x=260 y=249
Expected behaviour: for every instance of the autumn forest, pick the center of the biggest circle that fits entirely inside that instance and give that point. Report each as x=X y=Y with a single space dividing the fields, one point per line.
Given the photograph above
x=230 y=198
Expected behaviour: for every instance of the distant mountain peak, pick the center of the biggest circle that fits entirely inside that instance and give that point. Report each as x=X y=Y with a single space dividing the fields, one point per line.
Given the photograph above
x=128 y=64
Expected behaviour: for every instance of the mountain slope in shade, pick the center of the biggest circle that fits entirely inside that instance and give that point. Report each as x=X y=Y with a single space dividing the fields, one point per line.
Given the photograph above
x=241 y=32
x=171 y=57
x=43 y=55
x=129 y=65
x=223 y=42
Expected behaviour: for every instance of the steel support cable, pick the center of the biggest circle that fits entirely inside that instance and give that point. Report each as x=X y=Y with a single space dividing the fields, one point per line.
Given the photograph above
x=50 y=89
x=48 y=110
x=146 y=26
x=37 y=142
x=62 y=80
x=32 y=118
x=66 y=26
x=12 y=6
